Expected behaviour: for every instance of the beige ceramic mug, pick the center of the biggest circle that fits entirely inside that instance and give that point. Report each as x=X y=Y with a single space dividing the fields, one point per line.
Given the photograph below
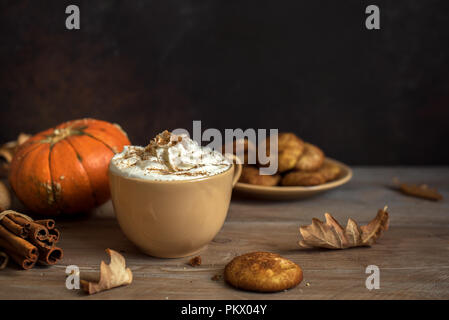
x=171 y=219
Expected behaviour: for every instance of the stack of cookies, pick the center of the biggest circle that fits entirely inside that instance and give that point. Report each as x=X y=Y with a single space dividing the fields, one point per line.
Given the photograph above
x=299 y=164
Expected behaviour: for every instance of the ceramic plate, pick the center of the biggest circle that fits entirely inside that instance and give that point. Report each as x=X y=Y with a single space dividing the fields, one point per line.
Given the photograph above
x=283 y=193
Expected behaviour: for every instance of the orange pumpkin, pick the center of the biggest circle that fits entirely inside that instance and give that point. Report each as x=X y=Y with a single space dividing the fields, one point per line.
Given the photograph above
x=64 y=169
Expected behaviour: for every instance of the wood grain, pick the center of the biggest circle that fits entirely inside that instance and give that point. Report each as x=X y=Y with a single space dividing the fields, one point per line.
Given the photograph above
x=413 y=256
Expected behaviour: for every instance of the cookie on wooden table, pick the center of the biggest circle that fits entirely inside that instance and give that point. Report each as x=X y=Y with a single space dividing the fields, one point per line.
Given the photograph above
x=262 y=272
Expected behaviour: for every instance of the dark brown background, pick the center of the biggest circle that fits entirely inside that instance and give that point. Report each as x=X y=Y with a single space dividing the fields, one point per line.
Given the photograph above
x=366 y=97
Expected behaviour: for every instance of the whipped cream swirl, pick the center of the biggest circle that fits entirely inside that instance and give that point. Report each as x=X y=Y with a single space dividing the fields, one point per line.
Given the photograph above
x=169 y=157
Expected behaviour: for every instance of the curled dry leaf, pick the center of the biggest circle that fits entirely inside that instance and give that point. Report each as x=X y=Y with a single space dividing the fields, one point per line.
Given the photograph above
x=112 y=275
x=330 y=234
x=3 y=260
x=7 y=152
x=420 y=191
x=5 y=197
x=8 y=149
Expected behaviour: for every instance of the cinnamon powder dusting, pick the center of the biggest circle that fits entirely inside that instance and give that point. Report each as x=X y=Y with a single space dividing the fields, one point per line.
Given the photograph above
x=170 y=155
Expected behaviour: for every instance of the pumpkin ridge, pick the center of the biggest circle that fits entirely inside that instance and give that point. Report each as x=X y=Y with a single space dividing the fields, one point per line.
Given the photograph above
x=12 y=180
x=109 y=134
x=53 y=187
x=99 y=140
x=41 y=187
x=82 y=165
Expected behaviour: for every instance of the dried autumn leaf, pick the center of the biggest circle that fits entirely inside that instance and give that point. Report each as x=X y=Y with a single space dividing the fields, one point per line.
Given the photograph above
x=420 y=191
x=5 y=197
x=330 y=234
x=3 y=260
x=7 y=152
x=113 y=275
x=8 y=149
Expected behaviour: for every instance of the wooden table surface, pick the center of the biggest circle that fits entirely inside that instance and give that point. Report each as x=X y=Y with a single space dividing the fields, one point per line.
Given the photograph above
x=413 y=255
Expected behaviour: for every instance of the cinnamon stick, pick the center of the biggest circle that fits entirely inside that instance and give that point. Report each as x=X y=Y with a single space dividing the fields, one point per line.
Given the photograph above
x=25 y=262
x=50 y=256
x=19 y=220
x=47 y=243
x=37 y=231
x=11 y=242
x=47 y=223
x=27 y=242
x=54 y=235
x=17 y=229
x=20 y=250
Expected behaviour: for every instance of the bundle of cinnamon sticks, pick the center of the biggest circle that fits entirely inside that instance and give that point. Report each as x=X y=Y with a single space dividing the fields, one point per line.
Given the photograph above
x=27 y=242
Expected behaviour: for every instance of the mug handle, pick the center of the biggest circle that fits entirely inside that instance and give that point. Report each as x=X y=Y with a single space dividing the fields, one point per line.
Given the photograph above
x=237 y=170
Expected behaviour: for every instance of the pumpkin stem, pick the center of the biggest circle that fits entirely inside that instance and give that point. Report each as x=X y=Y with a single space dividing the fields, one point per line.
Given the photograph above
x=62 y=133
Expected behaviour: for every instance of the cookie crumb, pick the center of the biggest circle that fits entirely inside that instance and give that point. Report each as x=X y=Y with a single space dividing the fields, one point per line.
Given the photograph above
x=216 y=277
x=195 y=261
